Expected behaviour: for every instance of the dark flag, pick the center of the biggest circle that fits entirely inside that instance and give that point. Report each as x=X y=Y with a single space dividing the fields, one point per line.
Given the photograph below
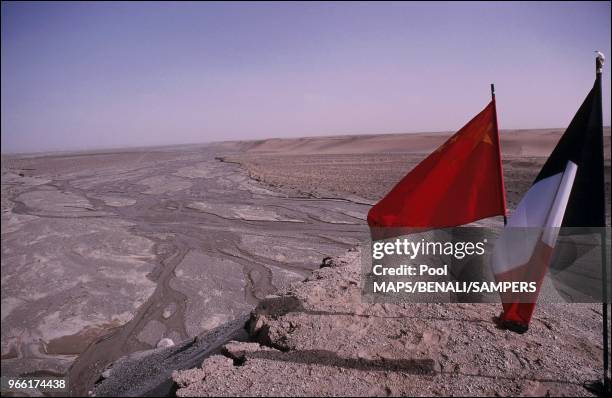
x=582 y=144
x=569 y=191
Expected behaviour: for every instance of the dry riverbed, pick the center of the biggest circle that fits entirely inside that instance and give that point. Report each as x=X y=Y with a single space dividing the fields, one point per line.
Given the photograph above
x=107 y=255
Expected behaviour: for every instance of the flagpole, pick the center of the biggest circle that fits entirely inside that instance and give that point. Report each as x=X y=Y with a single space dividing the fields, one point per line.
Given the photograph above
x=599 y=60
x=501 y=173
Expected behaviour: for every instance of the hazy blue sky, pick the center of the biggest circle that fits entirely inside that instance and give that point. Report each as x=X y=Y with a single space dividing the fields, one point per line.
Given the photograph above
x=78 y=76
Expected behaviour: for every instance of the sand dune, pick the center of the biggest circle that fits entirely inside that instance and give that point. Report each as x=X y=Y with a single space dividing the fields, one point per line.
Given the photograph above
x=532 y=143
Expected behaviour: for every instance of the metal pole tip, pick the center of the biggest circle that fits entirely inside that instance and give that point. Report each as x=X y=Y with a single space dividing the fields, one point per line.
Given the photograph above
x=599 y=61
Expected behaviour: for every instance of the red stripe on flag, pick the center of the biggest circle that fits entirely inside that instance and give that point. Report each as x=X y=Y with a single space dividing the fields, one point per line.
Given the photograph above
x=519 y=307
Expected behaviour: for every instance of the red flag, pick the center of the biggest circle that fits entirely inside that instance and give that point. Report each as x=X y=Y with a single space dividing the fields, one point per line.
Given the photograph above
x=459 y=183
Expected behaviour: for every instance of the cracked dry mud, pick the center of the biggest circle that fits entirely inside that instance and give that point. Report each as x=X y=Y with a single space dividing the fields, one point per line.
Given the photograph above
x=104 y=254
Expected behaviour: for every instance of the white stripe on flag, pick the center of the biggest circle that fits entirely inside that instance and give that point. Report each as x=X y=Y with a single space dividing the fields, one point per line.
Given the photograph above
x=541 y=210
x=555 y=218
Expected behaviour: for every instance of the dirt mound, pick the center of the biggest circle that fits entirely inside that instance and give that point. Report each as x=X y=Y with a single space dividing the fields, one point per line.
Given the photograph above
x=318 y=338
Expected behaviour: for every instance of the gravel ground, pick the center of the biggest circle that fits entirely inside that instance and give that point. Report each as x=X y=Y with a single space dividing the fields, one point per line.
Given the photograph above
x=317 y=338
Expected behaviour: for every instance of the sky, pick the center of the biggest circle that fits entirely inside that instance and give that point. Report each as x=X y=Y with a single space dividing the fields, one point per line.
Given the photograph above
x=105 y=75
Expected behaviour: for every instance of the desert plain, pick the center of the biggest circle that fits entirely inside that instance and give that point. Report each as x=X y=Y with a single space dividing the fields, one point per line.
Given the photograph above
x=151 y=260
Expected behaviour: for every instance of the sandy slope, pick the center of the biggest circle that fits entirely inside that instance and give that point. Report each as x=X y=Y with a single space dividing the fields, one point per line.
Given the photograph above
x=369 y=166
x=530 y=143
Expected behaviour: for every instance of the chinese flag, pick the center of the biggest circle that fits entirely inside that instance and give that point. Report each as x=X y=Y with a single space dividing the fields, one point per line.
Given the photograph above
x=459 y=183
